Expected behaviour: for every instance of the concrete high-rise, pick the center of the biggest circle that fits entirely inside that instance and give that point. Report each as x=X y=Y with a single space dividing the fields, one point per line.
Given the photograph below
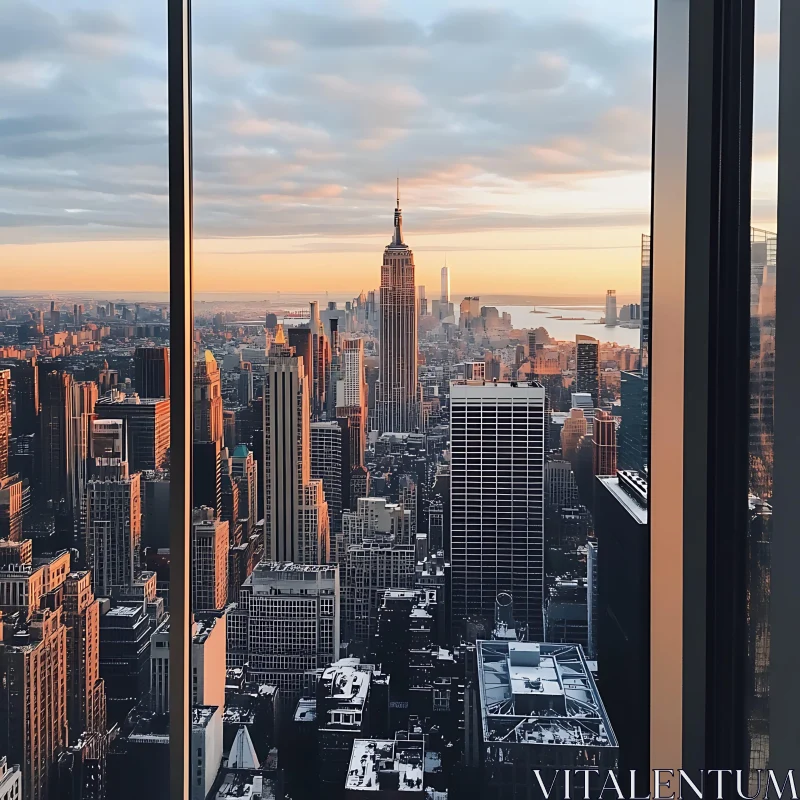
x=604 y=444
x=287 y=625
x=86 y=698
x=57 y=441
x=574 y=430
x=497 y=499
x=611 y=308
x=633 y=434
x=398 y=401
x=33 y=704
x=330 y=463
x=208 y=438
x=151 y=371
x=209 y=560
x=147 y=423
x=5 y=419
x=25 y=375
x=351 y=398
x=587 y=372
x=113 y=526
x=289 y=506
x=245 y=470
x=645 y=302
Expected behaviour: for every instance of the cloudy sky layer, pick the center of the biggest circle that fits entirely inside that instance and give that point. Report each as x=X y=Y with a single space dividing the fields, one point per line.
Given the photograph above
x=521 y=133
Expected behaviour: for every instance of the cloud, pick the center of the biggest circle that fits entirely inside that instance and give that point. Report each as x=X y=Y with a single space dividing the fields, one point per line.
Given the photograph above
x=303 y=115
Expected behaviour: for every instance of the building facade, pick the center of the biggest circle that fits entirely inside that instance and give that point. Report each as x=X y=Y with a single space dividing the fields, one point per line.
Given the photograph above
x=497 y=498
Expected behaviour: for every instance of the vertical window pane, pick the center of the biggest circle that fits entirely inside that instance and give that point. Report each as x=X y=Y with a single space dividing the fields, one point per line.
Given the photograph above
x=421 y=384
x=84 y=399
x=762 y=377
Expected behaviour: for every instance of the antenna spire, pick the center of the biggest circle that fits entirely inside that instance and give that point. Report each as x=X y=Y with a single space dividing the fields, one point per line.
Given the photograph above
x=398 y=188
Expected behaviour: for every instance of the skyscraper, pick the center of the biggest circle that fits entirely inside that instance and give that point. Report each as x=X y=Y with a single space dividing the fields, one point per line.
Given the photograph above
x=571 y=434
x=245 y=469
x=330 y=463
x=209 y=560
x=113 y=525
x=444 y=298
x=497 y=499
x=5 y=419
x=398 y=401
x=25 y=375
x=147 y=423
x=351 y=398
x=587 y=374
x=151 y=367
x=86 y=699
x=288 y=619
x=83 y=401
x=604 y=444
x=645 y=302
x=633 y=434
x=208 y=439
x=611 y=308
x=287 y=457
x=33 y=704
x=57 y=441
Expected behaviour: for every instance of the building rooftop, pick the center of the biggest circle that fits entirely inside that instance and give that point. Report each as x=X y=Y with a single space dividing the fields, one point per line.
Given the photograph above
x=379 y=764
x=540 y=694
x=633 y=501
x=245 y=785
x=345 y=685
x=201 y=715
x=306 y=710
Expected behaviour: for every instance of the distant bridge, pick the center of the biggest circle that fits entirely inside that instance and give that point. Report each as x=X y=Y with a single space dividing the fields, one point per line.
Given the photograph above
x=297 y=315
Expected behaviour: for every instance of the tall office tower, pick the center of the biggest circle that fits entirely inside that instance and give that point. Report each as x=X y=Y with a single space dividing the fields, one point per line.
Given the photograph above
x=124 y=657
x=317 y=369
x=57 y=440
x=574 y=430
x=611 y=308
x=288 y=618
x=375 y=551
x=330 y=463
x=314 y=534
x=633 y=434
x=497 y=499
x=245 y=469
x=587 y=373
x=351 y=398
x=151 y=371
x=113 y=526
x=12 y=507
x=55 y=315
x=230 y=499
x=645 y=302
x=82 y=403
x=229 y=427
x=423 y=302
x=444 y=297
x=287 y=454
x=559 y=484
x=5 y=419
x=208 y=439
x=33 y=703
x=86 y=697
x=209 y=560
x=301 y=338
x=592 y=597
x=207 y=410
x=623 y=610
x=604 y=444
x=25 y=375
x=398 y=401
x=147 y=424
x=244 y=385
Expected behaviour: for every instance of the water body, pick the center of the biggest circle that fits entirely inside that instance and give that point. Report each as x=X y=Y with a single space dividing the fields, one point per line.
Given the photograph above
x=565 y=329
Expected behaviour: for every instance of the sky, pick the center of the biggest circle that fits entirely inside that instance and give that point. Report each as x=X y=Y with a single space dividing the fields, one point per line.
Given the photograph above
x=520 y=133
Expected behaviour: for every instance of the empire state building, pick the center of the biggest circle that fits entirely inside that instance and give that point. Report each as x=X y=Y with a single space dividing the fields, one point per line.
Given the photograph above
x=398 y=401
